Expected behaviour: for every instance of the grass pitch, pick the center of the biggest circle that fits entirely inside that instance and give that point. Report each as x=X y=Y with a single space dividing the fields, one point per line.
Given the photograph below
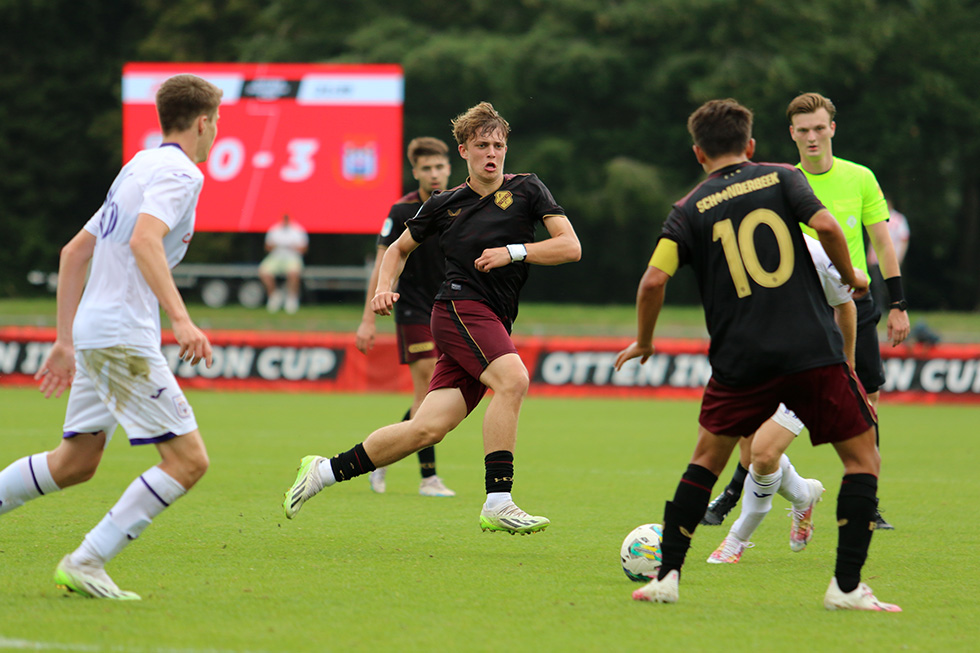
x=223 y=570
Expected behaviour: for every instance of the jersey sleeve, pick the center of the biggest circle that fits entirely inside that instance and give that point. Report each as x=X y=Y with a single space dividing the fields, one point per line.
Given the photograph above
x=92 y=226
x=424 y=223
x=393 y=226
x=802 y=200
x=874 y=208
x=677 y=230
x=169 y=195
x=542 y=202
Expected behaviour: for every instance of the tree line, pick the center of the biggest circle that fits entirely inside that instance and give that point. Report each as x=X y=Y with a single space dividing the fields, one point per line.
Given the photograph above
x=597 y=93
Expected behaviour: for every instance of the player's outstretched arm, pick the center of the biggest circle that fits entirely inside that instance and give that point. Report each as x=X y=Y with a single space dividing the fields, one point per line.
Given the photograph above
x=649 y=302
x=392 y=265
x=147 y=246
x=366 y=330
x=58 y=369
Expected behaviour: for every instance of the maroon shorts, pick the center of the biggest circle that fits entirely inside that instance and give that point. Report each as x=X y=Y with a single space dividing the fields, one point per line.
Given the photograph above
x=415 y=342
x=828 y=400
x=470 y=336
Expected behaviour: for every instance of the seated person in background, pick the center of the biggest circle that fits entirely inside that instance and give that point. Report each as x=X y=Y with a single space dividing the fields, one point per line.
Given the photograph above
x=286 y=243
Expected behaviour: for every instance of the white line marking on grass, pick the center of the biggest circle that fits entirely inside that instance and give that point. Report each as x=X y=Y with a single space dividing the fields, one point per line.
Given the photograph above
x=28 y=645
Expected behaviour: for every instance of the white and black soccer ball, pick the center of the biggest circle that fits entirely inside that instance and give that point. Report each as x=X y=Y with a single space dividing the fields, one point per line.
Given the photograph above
x=640 y=554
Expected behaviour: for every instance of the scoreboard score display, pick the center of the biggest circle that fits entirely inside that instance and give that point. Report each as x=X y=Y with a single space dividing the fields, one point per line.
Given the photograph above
x=321 y=142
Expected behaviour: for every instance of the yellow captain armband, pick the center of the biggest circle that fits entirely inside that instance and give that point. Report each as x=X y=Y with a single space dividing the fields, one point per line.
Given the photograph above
x=665 y=257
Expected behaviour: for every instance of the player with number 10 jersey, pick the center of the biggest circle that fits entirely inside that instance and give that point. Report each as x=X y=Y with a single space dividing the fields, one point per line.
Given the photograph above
x=749 y=339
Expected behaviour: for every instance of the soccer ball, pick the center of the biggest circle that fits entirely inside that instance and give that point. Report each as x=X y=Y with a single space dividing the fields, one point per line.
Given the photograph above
x=641 y=554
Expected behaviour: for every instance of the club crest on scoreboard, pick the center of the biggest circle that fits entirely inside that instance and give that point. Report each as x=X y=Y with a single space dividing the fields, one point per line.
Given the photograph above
x=359 y=161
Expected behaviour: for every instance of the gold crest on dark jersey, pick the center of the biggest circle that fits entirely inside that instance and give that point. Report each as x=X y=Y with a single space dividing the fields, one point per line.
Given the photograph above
x=503 y=198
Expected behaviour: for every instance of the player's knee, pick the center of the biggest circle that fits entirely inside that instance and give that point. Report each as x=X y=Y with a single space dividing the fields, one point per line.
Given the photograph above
x=68 y=470
x=196 y=466
x=765 y=461
x=77 y=471
x=429 y=434
x=515 y=385
x=188 y=468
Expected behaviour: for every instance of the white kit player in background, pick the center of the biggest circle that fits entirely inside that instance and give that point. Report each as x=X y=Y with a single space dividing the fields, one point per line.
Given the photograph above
x=771 y=471
x=286 y=242
x=108 y=343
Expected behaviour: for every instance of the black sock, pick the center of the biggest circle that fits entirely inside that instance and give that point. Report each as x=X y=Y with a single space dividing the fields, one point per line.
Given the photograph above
x=682 y=515
x=737 y=483
x=855 y=524
x=351 y=463
x=500 y=471
x=427 y=462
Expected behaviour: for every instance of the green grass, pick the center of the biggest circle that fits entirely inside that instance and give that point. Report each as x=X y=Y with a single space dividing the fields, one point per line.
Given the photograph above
x=534 y=319
x=224 y=570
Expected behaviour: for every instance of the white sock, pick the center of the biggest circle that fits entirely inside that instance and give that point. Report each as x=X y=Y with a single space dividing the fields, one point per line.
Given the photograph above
x=144 y=499
x=326 y=473
x=495 y=499
x=794 y=487
x=756 y=502
x=25 y=479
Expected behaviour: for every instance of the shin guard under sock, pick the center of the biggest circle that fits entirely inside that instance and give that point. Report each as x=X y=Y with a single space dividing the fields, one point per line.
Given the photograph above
x=855 y=525
x=682 y=515
x=499 y=471
x=351 y=463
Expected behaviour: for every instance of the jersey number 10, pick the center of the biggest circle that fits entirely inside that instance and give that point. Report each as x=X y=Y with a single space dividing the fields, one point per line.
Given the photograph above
x=743 y=262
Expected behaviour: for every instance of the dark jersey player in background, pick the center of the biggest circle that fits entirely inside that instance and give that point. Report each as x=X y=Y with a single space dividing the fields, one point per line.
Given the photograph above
x=773 y=338
x=417 y=288
x=485 y=228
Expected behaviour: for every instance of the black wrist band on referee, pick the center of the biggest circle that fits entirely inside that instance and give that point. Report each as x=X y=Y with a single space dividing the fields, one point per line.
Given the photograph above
x=895 y=292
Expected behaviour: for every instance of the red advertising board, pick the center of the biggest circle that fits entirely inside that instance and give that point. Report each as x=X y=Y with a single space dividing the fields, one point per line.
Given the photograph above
x=559 y=367
x=321 y=142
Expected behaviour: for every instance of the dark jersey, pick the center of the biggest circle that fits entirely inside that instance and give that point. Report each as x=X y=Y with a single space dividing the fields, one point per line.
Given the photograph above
x=424 y=270
x=763 y=303
x=466 y=224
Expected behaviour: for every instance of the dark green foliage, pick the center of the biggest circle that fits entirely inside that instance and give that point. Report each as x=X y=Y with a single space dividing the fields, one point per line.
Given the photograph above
x=597 y=93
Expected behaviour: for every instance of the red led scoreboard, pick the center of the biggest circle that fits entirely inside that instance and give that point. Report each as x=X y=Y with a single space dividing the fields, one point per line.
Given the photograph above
x=321 y=142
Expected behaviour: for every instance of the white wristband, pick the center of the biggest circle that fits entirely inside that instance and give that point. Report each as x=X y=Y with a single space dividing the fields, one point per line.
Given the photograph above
x=517 y=253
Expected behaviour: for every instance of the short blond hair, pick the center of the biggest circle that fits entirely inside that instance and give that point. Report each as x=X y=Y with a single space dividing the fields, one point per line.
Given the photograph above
x=810 y=103
x=182 y=98
x=481 y=119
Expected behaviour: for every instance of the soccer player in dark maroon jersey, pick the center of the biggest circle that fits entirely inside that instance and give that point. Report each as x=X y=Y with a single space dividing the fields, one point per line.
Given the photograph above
x=417 y=288
x=485 y=228
x=772 y=338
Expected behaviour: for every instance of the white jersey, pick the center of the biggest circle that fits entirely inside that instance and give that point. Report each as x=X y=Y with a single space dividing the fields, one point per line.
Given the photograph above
x=118 y=307
x=836 y=291
x=286 y=240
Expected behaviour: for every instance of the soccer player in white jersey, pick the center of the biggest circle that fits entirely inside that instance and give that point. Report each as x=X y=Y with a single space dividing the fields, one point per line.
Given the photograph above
x=770 y=470
x=108 y=343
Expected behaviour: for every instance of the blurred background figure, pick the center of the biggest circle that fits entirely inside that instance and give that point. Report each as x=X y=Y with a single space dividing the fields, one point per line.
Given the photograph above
x=898 y=229
x=286 y=242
